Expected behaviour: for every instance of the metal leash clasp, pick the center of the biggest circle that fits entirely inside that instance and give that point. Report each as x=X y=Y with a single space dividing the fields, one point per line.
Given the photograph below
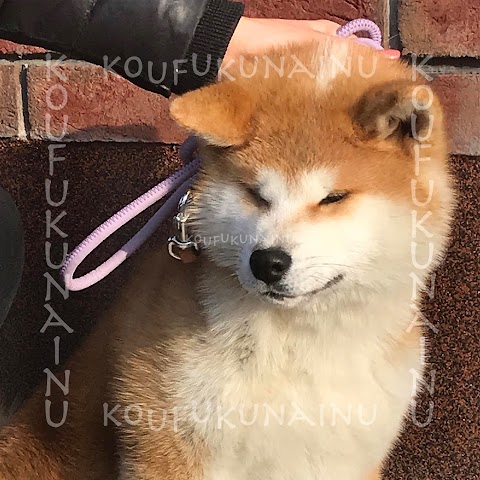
x=180 y=242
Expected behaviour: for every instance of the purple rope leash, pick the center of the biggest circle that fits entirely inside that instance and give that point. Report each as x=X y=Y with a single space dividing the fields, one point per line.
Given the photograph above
x=180 y=181
x=176 y=185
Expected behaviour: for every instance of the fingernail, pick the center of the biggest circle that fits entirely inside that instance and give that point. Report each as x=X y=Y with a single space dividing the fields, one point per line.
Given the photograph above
x=392 y=54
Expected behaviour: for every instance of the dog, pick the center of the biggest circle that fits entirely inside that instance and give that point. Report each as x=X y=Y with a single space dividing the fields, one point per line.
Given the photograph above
x=287 y=350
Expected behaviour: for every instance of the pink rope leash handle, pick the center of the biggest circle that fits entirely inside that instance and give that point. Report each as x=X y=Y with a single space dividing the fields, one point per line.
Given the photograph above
x=180 y=181
x=363 y=25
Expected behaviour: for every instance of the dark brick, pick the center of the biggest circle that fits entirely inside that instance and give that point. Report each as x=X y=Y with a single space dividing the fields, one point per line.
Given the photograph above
x=460 y=96
x=10 y=100
x=440 y=27
x=100 y=106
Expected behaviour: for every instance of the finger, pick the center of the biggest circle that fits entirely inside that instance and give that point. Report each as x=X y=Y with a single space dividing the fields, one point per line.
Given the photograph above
x=324 y=26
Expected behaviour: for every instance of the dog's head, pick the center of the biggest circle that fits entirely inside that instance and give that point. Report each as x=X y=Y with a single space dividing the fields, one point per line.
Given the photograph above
x=324 y=173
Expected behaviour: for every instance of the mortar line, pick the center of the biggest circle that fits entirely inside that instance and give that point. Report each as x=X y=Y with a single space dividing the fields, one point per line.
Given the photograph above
x=394 y=40
x=25 y=125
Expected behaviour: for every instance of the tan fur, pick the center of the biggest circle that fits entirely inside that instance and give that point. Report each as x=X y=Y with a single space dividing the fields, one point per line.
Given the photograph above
x=224 y=119
x=82 y=448
x=136 y=355
x=30 y=448
x=168 y=285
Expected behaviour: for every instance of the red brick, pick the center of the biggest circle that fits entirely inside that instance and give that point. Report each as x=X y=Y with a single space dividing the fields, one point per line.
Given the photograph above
x=11 y=115
x=339 y=11
x=440 y=27
x=100 y=106
x=8 y=48
x=460 y=96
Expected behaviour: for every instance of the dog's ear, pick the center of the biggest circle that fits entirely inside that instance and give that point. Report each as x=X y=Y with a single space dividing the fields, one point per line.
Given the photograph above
x=221 y=113
x=394 y=111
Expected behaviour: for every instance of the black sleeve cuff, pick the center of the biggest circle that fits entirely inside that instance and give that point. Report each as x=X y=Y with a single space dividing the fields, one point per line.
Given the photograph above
x=208 y=46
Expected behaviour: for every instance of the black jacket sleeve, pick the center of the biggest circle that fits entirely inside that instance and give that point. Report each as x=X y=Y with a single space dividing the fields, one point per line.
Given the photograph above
x=161 y=45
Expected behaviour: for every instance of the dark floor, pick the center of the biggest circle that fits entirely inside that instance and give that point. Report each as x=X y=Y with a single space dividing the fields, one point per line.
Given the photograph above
x=104 y=177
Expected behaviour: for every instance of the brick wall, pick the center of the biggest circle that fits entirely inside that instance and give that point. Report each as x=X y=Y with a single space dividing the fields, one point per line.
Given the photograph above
x=102 y=106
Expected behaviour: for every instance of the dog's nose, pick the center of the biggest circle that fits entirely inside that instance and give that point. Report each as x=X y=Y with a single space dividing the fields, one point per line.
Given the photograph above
x=270 y=265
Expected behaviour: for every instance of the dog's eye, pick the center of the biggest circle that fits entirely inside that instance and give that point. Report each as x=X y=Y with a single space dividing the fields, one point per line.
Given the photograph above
x=334 y=197
x=255 y=195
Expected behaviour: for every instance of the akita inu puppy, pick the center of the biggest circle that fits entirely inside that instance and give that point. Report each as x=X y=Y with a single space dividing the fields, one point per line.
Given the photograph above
x=289 y=349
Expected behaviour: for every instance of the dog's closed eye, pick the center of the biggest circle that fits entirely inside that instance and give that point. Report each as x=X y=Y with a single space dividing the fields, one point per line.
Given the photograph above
x=334 y=197
x=255 y=195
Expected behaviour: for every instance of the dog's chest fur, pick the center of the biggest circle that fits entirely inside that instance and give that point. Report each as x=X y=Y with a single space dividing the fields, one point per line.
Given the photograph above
x=287 y=397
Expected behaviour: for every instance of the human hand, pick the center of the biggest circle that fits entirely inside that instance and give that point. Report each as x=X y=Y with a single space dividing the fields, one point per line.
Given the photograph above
x=256 y=35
